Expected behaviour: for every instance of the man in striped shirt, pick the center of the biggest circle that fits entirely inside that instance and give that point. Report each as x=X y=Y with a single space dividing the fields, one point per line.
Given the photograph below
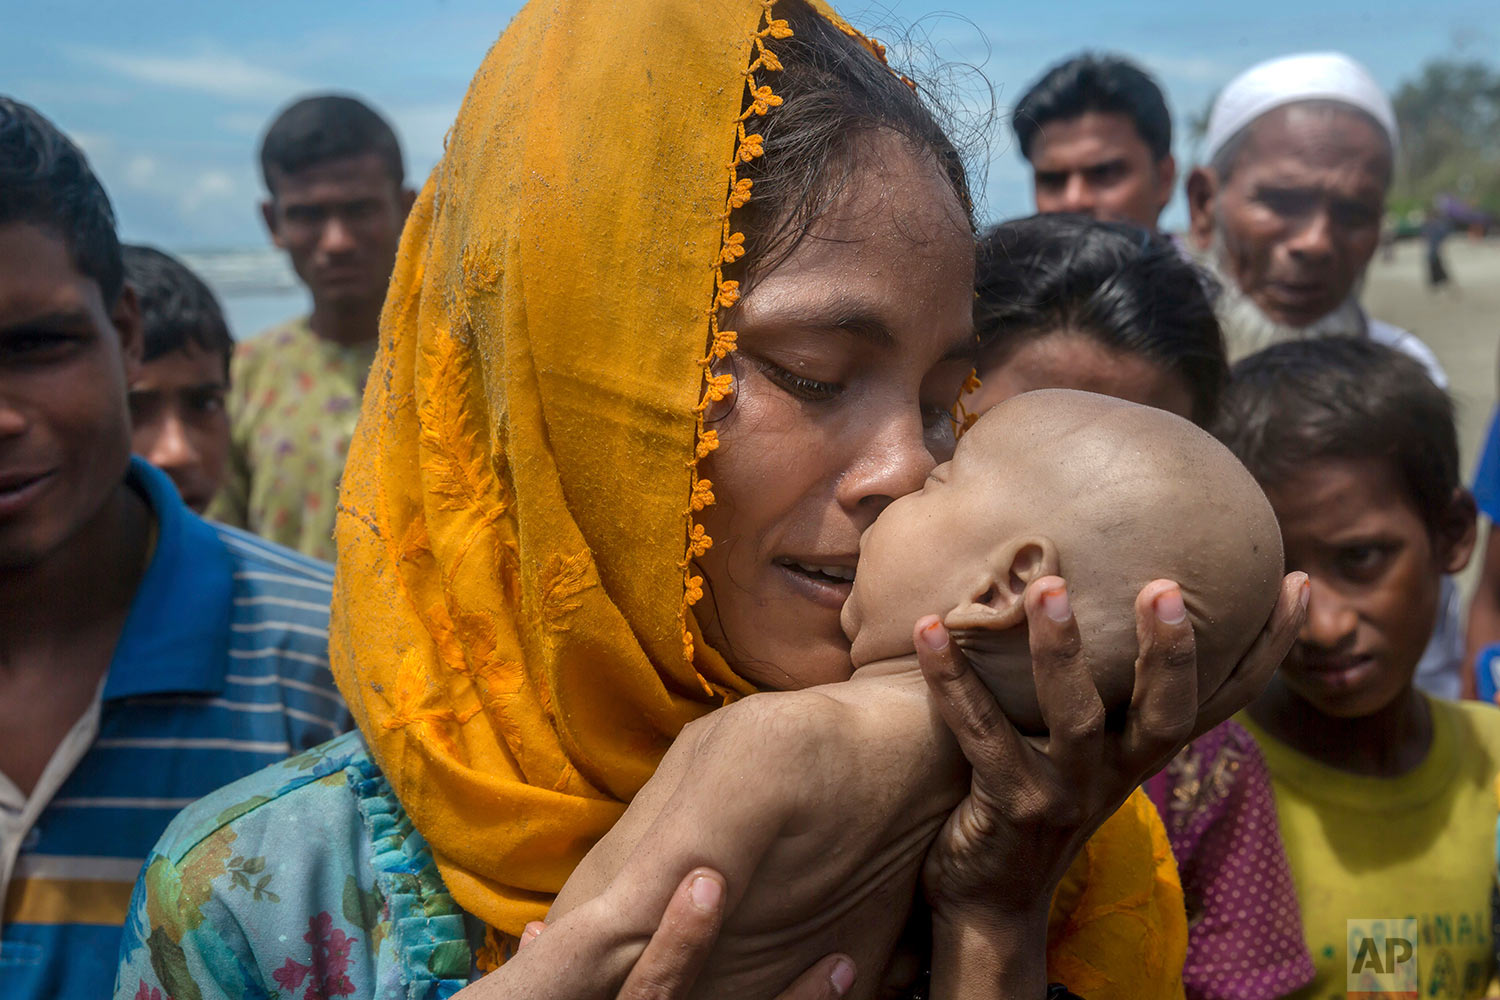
x=146 y=656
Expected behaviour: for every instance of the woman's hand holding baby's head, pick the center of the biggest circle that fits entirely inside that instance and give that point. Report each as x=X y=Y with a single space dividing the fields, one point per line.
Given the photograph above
x=1042 y=798
x=1107 y=493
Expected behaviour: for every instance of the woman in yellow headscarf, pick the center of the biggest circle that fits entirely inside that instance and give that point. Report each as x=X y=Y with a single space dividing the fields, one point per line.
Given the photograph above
x=684 y=306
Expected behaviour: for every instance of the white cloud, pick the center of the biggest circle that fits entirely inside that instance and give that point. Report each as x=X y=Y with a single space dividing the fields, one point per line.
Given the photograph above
x=139 y=170
x=209 y=186
x=1194 y=69
x=246 y=123
x=422 y=129
x=218 y=73
x=93 y=144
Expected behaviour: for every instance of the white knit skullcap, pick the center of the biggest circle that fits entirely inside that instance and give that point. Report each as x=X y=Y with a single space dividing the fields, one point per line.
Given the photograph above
x=1311 y=76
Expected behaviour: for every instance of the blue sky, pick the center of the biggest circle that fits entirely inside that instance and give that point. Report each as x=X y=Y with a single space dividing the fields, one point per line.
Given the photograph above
x=168 y=97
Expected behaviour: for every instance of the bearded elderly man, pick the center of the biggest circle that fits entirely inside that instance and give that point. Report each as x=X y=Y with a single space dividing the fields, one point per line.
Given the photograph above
x=1287 y=210
x=1287 y=213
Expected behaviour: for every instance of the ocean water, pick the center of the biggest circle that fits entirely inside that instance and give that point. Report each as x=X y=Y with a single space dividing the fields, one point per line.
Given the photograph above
x=256 y=286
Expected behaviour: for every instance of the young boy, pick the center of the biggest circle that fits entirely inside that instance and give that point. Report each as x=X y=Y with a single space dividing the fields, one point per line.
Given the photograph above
x=146 y=656
x=177 y=417
x=336 y=201
x=1003 y=515
x=1386 y=796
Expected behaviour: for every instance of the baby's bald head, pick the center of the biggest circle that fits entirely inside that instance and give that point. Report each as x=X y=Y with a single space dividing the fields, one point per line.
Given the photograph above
x=1107 y=494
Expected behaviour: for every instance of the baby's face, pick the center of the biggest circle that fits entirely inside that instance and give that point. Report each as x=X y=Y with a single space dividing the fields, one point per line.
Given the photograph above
x=930 y=551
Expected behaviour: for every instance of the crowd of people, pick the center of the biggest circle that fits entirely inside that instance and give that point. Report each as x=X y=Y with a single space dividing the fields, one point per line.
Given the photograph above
x=682 y=553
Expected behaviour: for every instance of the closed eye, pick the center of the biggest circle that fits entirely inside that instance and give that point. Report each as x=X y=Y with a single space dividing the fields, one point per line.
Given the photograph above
x=800 y=386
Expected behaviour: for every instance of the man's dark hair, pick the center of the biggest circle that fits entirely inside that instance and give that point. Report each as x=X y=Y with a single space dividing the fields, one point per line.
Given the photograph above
x=45 y=181
x=177 y=308
x=1095 y=82
x=315 y=130
x=1306 y=401
x=1129 y=289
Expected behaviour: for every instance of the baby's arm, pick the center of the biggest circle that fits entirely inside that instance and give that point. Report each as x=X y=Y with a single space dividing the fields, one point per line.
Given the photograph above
x=728 y=787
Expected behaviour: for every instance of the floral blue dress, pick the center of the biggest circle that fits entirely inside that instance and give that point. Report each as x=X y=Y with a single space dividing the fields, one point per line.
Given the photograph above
x=233 y=904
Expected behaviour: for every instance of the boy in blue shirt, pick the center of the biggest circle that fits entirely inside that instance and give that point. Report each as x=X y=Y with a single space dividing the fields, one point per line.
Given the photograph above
x=146 y=656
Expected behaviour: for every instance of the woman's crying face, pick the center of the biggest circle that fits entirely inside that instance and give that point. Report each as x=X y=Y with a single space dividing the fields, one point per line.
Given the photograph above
x=851 y=353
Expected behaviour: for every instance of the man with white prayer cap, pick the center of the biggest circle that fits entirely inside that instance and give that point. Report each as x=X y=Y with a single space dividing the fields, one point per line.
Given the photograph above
x=1287 y=211
x=1300 y=152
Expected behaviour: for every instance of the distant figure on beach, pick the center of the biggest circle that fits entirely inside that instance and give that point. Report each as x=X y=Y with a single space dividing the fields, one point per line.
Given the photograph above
x=1434 y=231
x=336 y=203
x=177 y=417
x=1097 y=134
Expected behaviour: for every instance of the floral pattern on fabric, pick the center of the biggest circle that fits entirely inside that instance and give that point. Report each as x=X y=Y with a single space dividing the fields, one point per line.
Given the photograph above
x=305 y=881
x=330 y=962
x=293 y=402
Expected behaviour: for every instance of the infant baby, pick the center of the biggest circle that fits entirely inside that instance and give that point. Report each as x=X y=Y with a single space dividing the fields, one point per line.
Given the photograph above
x=819 y=805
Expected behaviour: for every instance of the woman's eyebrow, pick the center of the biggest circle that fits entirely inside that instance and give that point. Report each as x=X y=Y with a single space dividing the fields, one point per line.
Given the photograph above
x=862 y=324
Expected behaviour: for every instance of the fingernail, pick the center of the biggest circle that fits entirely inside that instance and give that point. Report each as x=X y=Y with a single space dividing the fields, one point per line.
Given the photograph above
x=1169 y=607
x=530 y=932
x=935 y=637
x=706 y=893
x=842 y=976
x=1055 y=604
x=1304 y=593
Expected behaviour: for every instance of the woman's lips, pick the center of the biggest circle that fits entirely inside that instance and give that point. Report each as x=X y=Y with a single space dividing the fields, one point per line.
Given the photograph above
x=824 y=582
x=18 y=491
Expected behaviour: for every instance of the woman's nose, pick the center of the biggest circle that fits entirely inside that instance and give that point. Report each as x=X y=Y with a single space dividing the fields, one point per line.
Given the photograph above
x=892 y=460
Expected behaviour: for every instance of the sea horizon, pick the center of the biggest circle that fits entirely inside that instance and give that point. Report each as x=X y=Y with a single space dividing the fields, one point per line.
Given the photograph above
x=255 y=285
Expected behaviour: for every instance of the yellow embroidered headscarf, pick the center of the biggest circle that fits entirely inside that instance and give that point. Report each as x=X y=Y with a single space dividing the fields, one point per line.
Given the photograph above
x=511 y=620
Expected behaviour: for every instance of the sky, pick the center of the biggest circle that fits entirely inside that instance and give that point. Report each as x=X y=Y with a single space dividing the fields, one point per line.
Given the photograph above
x=169 y=97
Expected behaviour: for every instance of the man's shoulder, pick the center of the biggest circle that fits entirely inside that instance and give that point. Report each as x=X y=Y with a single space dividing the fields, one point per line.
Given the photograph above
x=279 y=623
x=1410 y=344
x=316 y=782
x=274 y=567
x=1479 y=720
x=272 y=342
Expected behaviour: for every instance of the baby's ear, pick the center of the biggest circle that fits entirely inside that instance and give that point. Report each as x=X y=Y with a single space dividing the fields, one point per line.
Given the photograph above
x=997 y=601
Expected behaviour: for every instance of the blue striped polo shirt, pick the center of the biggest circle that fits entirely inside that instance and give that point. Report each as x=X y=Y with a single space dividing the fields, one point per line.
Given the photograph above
x=220 y=670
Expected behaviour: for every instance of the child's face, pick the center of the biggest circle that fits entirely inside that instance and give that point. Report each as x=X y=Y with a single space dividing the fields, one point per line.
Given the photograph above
x=1376 y=572
x=1067 y=360
x=178 y=421
x=65 y=358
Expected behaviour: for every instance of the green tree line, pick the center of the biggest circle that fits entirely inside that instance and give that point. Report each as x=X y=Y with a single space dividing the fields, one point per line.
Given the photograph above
x=1450 y=135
